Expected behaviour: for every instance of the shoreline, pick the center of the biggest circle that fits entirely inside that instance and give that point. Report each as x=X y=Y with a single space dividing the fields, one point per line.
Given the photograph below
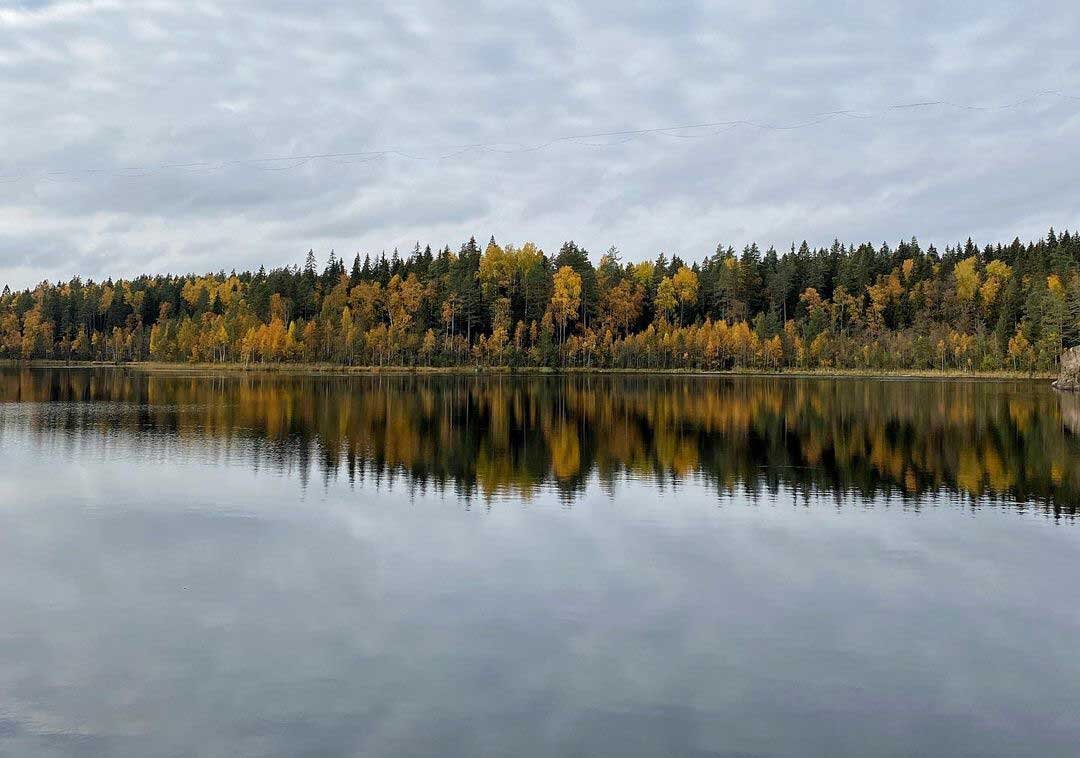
x=330 y=369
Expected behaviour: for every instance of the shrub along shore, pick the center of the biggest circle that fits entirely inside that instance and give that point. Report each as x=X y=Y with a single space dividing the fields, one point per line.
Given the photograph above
x=300 y=369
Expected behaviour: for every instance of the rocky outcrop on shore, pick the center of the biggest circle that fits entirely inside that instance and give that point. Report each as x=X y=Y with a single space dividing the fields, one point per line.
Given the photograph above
x=1070 y=371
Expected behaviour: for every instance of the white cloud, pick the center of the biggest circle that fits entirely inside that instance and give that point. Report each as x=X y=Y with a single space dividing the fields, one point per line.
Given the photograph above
x=50 y=14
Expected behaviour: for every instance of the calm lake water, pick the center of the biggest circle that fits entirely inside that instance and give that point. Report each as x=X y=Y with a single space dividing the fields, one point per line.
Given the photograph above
x=261 y=565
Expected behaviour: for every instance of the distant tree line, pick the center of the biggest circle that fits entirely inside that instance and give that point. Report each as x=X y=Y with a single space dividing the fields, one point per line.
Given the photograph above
x=1000 y=307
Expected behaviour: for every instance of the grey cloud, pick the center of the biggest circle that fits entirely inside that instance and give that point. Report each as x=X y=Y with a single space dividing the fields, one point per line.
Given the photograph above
x=109 y=86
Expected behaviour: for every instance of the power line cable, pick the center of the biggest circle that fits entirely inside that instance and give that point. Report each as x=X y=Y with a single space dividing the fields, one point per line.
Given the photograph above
x=516 y=148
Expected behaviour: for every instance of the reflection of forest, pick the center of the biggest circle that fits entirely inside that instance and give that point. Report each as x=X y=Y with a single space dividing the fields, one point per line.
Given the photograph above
x=499 y=434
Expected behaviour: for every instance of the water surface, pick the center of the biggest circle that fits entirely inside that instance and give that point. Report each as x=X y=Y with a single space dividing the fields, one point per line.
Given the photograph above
x=391 y=565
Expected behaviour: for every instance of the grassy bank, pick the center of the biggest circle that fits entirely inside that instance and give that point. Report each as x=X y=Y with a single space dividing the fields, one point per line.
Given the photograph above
x=337 y=369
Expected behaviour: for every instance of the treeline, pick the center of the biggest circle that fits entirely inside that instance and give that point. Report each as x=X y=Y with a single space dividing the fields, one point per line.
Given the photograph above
x=1002 y=307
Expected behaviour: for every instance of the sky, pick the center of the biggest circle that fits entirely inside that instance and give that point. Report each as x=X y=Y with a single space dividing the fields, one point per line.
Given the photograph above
x=149 y=136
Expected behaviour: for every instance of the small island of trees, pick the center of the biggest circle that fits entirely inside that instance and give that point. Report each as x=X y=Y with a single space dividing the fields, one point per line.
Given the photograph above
x=1012 y=307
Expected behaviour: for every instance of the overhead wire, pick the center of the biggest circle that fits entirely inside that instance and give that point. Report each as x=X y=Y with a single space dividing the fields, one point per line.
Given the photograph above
x=615 y=137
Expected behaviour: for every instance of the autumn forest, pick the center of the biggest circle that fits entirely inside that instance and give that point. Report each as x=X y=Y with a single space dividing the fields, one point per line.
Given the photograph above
x=1005 y=307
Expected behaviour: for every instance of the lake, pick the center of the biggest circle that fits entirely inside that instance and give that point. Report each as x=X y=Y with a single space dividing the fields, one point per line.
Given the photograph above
x=272 y=565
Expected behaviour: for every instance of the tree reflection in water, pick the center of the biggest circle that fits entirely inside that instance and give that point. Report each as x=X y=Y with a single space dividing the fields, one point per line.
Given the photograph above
x=496 y=435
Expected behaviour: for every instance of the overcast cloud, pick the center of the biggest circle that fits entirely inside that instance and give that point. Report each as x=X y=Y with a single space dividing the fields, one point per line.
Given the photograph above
x=95 y=88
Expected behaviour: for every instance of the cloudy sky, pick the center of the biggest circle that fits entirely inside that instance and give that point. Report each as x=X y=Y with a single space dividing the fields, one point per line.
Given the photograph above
x=133 y=135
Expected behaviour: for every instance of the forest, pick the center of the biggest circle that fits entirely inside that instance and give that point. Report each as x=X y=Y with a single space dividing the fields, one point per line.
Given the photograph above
x=1004 y=307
